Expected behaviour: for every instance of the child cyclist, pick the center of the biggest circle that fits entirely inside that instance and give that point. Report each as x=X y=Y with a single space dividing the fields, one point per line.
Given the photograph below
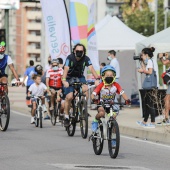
x=37 y=89
x=107 y=91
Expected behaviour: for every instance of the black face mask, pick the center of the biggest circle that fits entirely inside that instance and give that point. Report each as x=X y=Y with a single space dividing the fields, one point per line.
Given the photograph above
x=108 y=80
x=79 y=54
x=49 y=61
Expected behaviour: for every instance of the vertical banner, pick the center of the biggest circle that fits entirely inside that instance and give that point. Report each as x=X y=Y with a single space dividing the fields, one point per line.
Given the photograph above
x=56 y=27
x=82 y=14
x=79 y=21
x=92 y=41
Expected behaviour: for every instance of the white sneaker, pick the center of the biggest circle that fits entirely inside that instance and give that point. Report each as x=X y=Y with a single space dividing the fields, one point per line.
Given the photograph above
x=44 y=108
x=32 y=120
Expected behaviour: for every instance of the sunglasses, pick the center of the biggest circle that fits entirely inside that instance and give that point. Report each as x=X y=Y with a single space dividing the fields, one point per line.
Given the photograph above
x=79 y=51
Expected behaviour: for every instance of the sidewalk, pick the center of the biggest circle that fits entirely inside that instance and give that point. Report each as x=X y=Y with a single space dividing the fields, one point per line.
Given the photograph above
x=126 y=119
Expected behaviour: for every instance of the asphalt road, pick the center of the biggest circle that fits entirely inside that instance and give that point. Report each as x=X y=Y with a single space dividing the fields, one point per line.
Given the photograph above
x=24 y=147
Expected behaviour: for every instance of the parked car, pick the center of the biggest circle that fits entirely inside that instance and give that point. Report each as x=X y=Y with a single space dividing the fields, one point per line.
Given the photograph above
x=13 y=82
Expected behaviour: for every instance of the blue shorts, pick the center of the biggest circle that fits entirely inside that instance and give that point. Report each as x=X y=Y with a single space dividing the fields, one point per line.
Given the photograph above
x=71 y=89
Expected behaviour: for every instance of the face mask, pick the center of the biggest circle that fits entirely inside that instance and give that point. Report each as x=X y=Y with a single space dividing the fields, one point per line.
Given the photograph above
x=49 y=61
x=1 y=56
x=55 y=68
x=146 y=61
x=108 y=80
x=109 y=58
x=79 y=54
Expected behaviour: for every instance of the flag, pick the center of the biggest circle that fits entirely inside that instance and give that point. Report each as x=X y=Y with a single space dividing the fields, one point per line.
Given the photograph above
x=56 y=27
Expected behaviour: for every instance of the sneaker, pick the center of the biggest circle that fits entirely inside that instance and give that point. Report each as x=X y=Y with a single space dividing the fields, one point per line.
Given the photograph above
x=164 y=122
x=113 y=143
x=94 y=126
x=150 y=125
x=66 y=122
x=44 y=108
x=141 y=124
x=32 y=120
x=47 y=117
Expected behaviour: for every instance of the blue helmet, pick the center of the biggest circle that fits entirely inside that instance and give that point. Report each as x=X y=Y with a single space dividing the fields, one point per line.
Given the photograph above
x=108 y=67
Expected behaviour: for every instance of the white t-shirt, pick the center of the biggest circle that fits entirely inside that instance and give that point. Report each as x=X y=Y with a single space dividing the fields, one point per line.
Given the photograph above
x=149 y=64
x=9 y=61
x=38 y=90
x=114 y=62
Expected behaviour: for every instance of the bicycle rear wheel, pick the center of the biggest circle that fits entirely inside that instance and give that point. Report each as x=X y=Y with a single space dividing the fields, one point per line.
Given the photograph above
x=54 y=115
x=4 y=113
x=36 y=119
x=73 y=117
x=83 y=118
x=114 y=139
x=98 y=141
x=40 y=114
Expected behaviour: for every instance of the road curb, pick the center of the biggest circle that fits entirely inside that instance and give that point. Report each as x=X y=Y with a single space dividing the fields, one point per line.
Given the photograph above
x=146 y=135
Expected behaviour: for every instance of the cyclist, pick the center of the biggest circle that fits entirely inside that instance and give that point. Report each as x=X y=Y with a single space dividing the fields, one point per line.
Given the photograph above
x=107 y=91
x=4 y=61
x=74 y=67
x=37 y=89
x=53 y=81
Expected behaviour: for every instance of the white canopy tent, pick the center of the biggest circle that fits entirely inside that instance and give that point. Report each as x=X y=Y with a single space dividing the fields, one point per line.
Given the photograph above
x=116 y=35
x=160 y=41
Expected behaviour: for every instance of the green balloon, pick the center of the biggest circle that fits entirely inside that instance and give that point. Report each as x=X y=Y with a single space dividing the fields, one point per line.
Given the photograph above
x=3 y=43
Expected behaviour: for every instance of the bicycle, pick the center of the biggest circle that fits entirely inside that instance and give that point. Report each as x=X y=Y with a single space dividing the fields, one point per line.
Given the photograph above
x=38 y=111
x=108 y=129
x=56 y=111
x=78 y=111
x=4 y=108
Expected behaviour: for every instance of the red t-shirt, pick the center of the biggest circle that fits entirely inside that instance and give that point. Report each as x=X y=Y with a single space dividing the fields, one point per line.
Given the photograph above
x=105 y=93
x=55 y=77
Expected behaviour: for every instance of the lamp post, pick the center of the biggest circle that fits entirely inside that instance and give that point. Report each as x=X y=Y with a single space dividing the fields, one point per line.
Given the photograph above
x=156 y=17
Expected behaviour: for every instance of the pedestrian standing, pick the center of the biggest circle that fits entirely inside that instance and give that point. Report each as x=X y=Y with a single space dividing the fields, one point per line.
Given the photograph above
x=114 y=63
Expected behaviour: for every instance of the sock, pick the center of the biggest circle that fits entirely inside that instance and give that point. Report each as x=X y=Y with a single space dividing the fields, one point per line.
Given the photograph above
x=95 y=120
x=67 y=116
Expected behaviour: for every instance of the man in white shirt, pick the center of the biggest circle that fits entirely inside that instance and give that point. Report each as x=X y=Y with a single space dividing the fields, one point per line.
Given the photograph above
x=114 y=62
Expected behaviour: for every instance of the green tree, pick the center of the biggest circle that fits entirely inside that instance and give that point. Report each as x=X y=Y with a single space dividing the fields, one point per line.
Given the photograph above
x=138 y=15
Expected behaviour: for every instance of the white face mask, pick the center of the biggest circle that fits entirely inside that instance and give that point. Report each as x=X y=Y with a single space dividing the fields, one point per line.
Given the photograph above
x=109 y=58
x=1 y=56
x=55 y=68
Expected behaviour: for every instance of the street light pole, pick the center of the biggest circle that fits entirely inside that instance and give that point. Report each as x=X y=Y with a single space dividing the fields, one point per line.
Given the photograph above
x=156 y=17
x=7 y=29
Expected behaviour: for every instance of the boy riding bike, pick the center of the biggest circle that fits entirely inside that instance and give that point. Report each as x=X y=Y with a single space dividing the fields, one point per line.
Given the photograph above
x=37 y=89
x=107 y=91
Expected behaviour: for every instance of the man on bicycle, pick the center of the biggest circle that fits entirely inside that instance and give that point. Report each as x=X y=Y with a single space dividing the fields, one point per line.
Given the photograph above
x=53 y=80
x=74 y=67
x=4 y=61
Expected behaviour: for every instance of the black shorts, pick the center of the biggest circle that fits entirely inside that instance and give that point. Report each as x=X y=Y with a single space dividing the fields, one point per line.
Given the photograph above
x=55 y=88
x=3 y=75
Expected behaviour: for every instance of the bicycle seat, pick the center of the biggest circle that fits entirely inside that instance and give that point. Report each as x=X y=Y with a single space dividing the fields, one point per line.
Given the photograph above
x=74 y=80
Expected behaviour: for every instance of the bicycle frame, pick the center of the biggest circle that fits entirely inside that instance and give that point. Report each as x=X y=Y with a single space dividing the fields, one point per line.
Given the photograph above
x=38 y=104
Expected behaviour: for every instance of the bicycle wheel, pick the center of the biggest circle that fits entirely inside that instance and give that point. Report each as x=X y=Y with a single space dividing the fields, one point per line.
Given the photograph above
x=40 y=114
x=73 y=117
x=36 y=119
x=54 y=115
x=98 y=141
x=113 y=134
x=4 y=113
x=83 y=118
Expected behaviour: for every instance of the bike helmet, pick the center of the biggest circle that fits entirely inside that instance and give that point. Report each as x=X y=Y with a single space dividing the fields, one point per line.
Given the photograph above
x=55 y=61
x=39 y=69
x=106 y=68
x=2 y=46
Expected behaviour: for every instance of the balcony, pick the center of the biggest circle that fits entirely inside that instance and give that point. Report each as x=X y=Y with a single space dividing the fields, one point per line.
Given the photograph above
x=114 y=2
x=33 y=38
x=32 y=15
x=34 y=26
x=33 y=50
